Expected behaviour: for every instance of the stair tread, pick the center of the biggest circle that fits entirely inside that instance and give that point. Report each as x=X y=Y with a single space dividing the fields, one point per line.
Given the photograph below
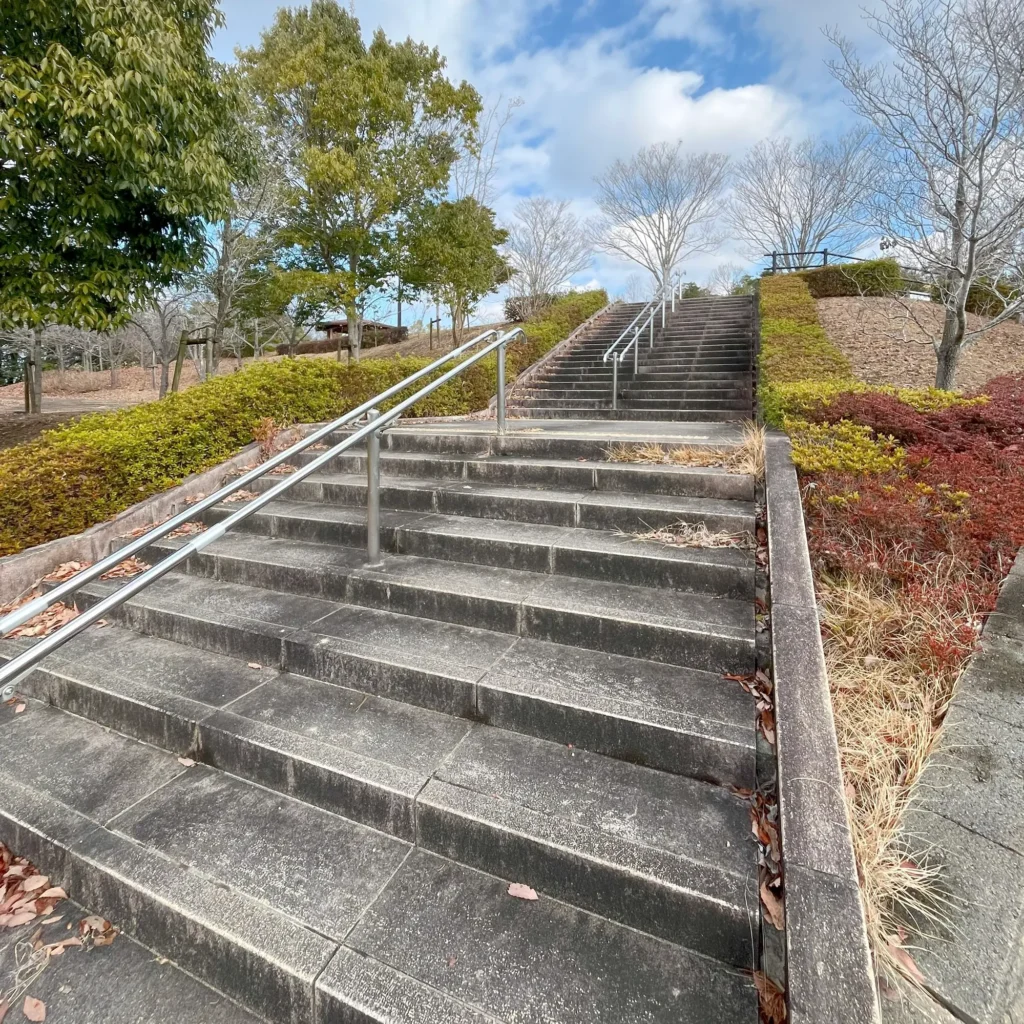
x=619 y=499
x=280 y=906
x=565 y=540
x=507 y=588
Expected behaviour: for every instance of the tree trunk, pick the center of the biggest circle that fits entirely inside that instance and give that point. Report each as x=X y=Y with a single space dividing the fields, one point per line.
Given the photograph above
x=355 y=331
x=164 y=373
x=950 y=348
x=35 y=371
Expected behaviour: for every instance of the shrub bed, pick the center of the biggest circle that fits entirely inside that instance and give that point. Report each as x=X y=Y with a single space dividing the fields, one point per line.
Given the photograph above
x=914 y=505
x=870 y=277
x=82 y=473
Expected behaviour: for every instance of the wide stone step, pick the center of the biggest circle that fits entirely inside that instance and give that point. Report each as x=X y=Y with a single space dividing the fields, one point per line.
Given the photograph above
x=673 y=627
x=637 y=415
x=556 y=441
x=536 y=472
x=230 y=881
x=583 y=508
x=695 y=404
x=354 y=711
x=589 y=554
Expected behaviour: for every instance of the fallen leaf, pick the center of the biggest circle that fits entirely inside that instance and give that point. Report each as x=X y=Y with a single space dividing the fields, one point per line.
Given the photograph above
x=35 y=882
x=4 y=1007
x=186 y=761
x=18 y=710
x=106 y=938
x=255 y=664
x=772 y=907
x=34 y=1009
x=93 y=923
x=769 y=995
x=522 y=892
x=56 y=893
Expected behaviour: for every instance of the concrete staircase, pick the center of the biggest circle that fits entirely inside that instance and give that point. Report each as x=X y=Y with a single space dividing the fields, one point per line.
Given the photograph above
x=700 y=368
x=521 y=692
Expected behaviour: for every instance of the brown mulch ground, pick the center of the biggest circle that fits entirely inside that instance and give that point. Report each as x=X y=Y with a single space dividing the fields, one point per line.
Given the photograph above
x=885 y=347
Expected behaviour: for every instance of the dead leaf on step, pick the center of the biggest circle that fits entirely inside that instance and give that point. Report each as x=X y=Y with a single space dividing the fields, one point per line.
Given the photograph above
x=255 y=664
x=34 y=1009
x=129 y=567
x=771 y=998
x=4 y=1007
x=186 y=762
x=522 y=892
x=772 y=907
x=97 y=930
x=35 y=882
x=19 y=709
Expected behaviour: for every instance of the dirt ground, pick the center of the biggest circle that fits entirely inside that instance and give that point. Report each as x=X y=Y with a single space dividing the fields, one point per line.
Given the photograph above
x=888 y=346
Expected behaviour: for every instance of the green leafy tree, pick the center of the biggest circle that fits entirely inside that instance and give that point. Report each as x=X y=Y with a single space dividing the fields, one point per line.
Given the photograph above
x=365 y=132
x=455 y=257
x=113 y=152
x=113 y=131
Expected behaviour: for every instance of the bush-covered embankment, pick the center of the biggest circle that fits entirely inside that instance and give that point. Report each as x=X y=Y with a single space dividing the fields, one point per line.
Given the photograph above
x=83 y=473
x=914 y=501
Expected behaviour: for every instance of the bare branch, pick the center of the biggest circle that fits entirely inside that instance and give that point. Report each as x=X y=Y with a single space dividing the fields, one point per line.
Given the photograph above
x=660 y=206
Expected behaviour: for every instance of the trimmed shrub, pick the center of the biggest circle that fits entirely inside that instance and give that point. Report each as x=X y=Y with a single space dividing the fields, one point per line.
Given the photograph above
x=82 y=473
x=872 y=277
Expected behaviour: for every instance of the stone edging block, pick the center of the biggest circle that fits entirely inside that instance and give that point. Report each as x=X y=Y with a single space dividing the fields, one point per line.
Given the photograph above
x=830 y=977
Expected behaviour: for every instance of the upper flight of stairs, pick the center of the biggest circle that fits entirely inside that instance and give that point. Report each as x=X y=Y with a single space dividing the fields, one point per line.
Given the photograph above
x=700 y=368
x=521 y=692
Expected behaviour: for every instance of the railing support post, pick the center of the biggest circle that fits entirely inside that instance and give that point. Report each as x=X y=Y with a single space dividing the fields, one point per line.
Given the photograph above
x=500 y=411
x=373 y=493
x=615 y=381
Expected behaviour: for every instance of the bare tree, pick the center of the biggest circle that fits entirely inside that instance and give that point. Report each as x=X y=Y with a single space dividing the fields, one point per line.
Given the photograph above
x=802 y=197
x=638 y=288
x=239 y=244
x=473 y=172
x=161 y=322
x=948 y=115
x=660 y=206
x=546 y=245
x=729 y=279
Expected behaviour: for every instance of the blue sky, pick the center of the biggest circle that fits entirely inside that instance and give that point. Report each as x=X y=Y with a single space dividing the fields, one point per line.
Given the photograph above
x=600 y=78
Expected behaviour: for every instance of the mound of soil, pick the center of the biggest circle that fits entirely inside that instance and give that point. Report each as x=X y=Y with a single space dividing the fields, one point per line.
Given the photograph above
x=889 y=342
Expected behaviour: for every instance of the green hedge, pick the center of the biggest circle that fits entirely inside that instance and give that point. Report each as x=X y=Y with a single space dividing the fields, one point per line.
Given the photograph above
x=795 y=351
x=871 y=277
x=80 y=474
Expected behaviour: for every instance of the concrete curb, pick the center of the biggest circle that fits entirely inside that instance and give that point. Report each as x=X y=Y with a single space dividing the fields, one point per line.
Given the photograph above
x=969 y=810
x=829 y=970
x=20 y=572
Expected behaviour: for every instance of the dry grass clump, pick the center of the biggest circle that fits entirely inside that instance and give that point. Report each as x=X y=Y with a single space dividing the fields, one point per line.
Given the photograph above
x=696 y=535
x=893 y=660
x=747 y=457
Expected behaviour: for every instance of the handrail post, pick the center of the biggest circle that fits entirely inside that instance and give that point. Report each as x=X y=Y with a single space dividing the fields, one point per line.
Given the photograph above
x=500 y=411
x=615 y=381
x=373 y=492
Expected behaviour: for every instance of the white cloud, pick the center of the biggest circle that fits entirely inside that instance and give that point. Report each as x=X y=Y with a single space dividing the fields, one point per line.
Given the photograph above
x=588 y=104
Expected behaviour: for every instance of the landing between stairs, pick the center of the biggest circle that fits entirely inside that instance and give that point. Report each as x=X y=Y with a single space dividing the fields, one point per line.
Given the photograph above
x=310 y=782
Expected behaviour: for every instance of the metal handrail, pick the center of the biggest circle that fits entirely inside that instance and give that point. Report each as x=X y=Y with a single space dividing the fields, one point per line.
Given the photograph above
x=376 y=422
x=638 y=328
x=31 y=609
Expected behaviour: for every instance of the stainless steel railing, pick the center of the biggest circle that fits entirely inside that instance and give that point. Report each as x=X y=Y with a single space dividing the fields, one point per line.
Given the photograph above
x=377 y=421
x=644 y=320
